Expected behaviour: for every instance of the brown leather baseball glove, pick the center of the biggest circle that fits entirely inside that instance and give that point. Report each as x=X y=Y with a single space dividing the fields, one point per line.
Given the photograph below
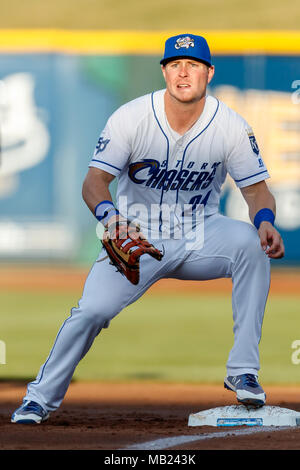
x=125 y=244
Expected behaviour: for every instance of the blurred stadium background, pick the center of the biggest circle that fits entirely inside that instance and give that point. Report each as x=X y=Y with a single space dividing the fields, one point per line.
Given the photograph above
x=64 y=68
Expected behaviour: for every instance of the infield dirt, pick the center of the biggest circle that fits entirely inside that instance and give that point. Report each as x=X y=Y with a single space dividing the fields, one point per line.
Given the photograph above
x=102 y=416
x=283 y=281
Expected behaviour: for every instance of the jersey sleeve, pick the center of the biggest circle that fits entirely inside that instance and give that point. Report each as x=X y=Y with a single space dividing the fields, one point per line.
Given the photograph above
x=113 y=147
x=244 y=161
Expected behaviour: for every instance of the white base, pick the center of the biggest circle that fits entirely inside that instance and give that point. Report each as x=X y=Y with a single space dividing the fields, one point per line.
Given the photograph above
x=239 y=415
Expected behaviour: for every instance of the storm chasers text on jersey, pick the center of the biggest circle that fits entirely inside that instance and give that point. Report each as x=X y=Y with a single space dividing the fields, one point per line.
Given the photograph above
x=156 y=165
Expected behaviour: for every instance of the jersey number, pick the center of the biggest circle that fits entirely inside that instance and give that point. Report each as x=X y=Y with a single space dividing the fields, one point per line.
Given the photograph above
x=196 y=200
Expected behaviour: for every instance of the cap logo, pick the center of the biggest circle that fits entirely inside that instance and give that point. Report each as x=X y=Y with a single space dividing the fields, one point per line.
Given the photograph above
x=184 y=42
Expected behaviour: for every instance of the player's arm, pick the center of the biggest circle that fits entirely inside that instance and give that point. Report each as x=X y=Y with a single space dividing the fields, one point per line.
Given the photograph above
x=97 y=196
x=262 y=211
x=95 y=187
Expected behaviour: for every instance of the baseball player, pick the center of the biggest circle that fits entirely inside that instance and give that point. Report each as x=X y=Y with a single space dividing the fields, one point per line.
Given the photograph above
x=171 y=151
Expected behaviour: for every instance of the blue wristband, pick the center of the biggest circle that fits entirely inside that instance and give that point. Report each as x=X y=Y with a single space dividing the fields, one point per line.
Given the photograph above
x=264 y=215
x=104 y=211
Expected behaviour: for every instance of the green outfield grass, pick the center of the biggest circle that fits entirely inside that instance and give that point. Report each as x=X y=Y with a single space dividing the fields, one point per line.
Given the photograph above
x=186 y=339
x=157 y=14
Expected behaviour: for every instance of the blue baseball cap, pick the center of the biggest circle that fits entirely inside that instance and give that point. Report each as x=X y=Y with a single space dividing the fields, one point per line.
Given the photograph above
x=184 y=46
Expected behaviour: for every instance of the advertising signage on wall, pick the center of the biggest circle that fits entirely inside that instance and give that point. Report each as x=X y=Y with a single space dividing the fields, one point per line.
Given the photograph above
x=56 y=94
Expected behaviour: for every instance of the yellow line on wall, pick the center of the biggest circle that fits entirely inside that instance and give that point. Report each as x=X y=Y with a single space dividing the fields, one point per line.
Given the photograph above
x=143 y=42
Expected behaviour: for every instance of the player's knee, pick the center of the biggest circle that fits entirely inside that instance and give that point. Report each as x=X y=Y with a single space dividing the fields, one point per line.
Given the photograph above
x=248 y=243
x=96 y=315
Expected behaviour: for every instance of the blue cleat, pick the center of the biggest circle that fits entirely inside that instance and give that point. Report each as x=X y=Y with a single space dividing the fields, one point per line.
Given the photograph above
x=29 y=412
x=248 y=391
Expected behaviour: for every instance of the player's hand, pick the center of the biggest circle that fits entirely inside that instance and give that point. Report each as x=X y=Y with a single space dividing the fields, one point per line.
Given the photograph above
x=125 y=244
x=271 y=241
x=120 y=228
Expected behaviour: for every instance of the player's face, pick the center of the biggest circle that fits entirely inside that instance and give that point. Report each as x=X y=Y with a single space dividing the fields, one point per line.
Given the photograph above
x=187 y=79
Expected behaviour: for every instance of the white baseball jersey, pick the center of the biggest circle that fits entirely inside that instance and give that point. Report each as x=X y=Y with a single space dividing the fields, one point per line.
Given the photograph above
x=155 y=165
